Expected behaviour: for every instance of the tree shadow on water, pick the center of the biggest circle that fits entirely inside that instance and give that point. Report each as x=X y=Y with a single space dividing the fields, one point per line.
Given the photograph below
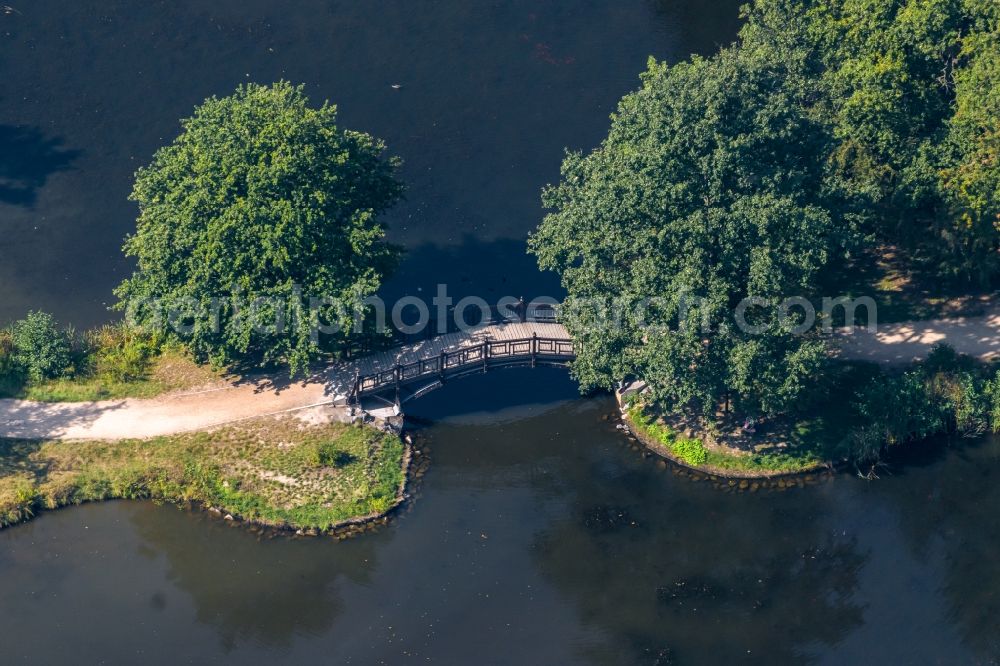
x=27 y=159
x=250 y=588
x=489 y=269
x=945 y=502
x=667 y=571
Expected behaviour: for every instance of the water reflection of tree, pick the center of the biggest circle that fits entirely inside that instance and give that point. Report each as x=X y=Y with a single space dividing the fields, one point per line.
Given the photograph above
x=671 y=571
x=251 y=589
x=27 y=159
x=947 y=502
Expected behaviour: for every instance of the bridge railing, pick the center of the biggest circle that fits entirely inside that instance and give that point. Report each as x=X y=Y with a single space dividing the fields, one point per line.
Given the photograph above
x=371 y=341
x=485 y=354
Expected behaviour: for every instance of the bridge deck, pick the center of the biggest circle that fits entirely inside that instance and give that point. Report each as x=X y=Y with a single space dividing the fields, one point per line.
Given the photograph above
x=341 y=377
x=251 y=398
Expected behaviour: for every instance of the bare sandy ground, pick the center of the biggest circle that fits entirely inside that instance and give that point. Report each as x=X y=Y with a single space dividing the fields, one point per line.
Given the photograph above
x=163 y=415
x=895 y=344
x=201 y=410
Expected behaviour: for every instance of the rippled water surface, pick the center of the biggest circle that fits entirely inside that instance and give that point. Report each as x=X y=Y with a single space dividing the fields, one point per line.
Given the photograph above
x=490 y=94
x=539 y=536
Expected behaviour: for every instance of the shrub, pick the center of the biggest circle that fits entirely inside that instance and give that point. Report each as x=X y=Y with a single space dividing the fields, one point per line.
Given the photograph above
x=327 y=453
x=867 y=443
x=18 y=502
x=991 y=397
x=911 y=411
x=380 y=504
x=119 y=352
x=8 y=365
x=965 y=400
x=944 y=393
x=944 y=358
x=893 y=410
x=955 y=385
x=691 y=451
x=41 y=349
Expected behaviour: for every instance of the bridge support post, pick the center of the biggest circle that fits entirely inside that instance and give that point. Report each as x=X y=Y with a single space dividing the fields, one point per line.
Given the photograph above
x=486 y=356
x=441 y=365
x=534 y=348
x=398 y=372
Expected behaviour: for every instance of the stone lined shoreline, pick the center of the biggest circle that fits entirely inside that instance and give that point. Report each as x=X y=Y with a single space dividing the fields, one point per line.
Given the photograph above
x=737 y=479
x=731 y=480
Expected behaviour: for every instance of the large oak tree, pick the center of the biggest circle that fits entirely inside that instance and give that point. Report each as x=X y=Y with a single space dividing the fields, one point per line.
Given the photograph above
x=709 y=189
x=261 y=199
x=828 y=128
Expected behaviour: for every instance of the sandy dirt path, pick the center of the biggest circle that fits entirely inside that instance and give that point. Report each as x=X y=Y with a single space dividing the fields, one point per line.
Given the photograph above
x=166 y=414
x=200 y=410
x=896 y=344
x=185 y=412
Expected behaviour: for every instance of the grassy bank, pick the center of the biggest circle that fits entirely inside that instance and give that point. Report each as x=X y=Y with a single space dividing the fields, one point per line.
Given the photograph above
x=43 y=362
x=273 y=472
x=857 y=412
x=650 y=427
x=170 y=370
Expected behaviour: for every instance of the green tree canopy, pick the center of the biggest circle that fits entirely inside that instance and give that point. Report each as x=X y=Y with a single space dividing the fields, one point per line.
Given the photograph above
x=912 y=90
x=710 y=188
x=971 y=174
x=260 y=197
x=827 y=128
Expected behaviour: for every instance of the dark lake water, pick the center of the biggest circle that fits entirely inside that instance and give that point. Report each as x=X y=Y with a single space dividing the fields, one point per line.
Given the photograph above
x=490 y=95
x=539 y=537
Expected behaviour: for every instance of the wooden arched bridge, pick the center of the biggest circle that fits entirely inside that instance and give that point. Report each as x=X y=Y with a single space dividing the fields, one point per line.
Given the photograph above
x=501 y=342
x=396 y=376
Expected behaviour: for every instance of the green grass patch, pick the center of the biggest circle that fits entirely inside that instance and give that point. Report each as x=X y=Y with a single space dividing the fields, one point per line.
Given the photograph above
x=170 y=370
x=87 y=389
x=274 y=472
x=760 y=463
x=689 y=450
x=693 y=451
x=40 y=362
